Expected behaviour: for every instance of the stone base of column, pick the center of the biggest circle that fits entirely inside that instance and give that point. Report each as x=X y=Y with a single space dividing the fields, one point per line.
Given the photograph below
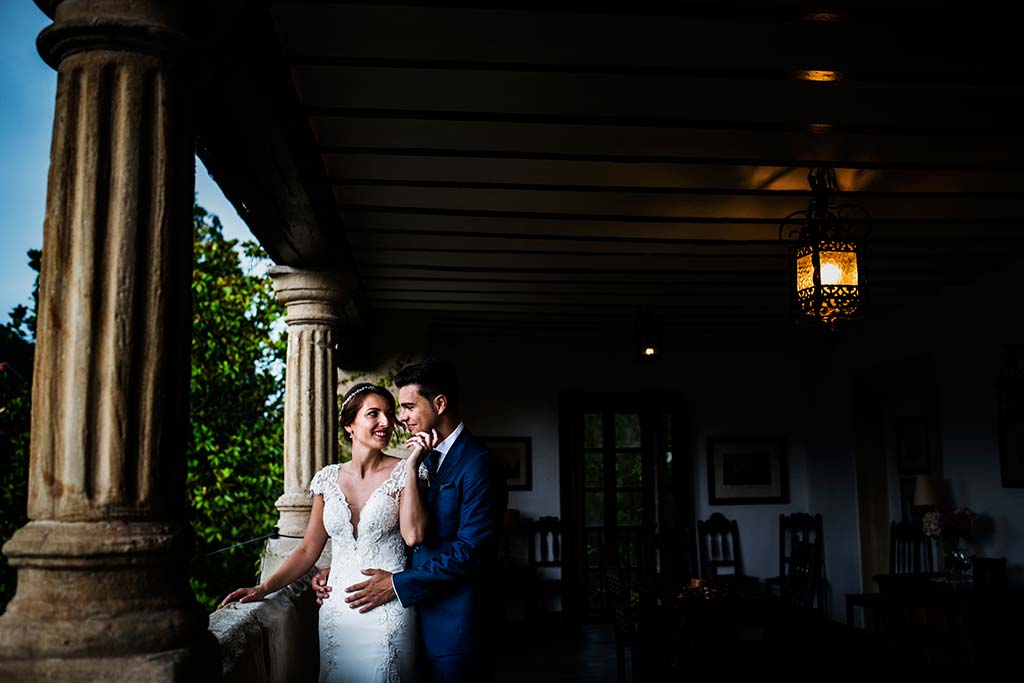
x=293 y=509
x=113 y=594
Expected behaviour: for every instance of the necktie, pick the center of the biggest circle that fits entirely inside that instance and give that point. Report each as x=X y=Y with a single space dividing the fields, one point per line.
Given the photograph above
x=433 y=461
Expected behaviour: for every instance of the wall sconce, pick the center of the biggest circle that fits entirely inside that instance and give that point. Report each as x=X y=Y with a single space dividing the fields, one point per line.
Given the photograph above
x=825 y=253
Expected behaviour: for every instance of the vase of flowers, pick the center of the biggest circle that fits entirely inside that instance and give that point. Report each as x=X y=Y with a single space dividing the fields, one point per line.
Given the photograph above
x=952 y=527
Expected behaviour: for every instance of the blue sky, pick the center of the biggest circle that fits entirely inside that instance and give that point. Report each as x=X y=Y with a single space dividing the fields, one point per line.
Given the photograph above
x=27 y=90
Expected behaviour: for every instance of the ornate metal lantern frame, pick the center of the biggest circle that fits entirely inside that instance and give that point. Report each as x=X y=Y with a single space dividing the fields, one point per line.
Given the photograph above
x=825 y=253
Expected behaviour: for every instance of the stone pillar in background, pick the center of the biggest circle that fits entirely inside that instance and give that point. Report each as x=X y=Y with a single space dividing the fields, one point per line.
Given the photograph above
x=313 y=300
x=102 y=564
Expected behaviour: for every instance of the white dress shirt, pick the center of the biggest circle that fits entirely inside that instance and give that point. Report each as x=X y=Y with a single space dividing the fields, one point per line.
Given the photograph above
x=446 y=445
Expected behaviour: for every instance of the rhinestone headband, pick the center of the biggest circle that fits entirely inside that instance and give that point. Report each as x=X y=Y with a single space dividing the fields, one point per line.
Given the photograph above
x=356 y=393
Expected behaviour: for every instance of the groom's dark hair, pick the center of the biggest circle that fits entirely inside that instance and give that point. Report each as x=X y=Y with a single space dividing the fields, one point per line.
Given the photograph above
x=433 y=377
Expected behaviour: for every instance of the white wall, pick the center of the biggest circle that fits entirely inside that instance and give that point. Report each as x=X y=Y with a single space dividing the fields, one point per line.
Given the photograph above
x=969 y=356
x=963 y=335
x=513 y=390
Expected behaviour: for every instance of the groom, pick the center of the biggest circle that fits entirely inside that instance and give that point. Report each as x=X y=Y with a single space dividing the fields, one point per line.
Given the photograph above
x=452 y=573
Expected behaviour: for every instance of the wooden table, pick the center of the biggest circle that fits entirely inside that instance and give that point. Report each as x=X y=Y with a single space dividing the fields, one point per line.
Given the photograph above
x=954 y=618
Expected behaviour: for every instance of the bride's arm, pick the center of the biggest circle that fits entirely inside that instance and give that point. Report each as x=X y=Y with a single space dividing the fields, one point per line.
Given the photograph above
x=298 y=563
x=412 y=511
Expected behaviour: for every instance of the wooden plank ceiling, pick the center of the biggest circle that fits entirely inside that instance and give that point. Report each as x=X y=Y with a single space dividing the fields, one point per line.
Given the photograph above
x=553 y=169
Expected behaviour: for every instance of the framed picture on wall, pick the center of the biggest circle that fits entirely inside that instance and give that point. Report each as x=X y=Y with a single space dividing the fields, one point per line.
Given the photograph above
x=747 y=471
x=516 y=458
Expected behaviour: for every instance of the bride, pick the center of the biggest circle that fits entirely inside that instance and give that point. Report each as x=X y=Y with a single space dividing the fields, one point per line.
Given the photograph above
x=371 y=508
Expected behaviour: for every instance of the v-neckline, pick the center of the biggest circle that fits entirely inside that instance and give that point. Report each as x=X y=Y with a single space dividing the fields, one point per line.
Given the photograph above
x=348 y=508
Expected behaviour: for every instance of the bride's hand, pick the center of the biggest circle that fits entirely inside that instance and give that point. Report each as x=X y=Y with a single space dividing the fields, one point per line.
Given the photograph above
x=244 y=595
x=421 y=444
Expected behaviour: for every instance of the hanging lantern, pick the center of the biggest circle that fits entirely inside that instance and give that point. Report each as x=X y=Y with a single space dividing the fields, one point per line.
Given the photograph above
x=825 y=250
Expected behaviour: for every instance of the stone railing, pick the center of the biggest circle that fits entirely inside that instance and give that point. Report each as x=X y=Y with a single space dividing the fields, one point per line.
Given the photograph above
x=271 y=641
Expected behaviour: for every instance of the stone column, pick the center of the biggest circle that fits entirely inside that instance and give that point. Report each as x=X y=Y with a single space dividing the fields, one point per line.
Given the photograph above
x=102 y=564
x=313 y=300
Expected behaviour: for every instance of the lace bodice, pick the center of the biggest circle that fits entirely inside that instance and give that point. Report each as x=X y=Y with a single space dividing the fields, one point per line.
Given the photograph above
x=377 y=541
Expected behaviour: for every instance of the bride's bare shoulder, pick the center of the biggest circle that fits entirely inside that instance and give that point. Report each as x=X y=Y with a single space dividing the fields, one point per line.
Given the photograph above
x=391 y=461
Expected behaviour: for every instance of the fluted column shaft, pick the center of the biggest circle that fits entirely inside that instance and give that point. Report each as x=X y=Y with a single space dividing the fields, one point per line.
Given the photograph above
x=313 y=302
x=102 y=582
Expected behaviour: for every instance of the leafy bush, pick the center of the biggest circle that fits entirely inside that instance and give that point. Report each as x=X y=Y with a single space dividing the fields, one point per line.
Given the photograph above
x=16 y=349
x=235 y=460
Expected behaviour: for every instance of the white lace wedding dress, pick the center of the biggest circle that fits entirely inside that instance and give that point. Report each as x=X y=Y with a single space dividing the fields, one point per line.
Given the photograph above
x=377 y=646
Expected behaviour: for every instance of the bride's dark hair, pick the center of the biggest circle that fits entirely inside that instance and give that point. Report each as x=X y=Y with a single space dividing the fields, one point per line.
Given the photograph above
x=353 y=402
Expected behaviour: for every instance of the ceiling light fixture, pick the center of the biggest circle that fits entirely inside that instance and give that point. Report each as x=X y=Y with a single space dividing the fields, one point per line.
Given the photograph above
x=648 y=330
x=825 y=253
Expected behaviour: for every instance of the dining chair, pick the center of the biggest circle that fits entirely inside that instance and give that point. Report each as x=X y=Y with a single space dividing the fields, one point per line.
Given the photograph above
x=796 y=527
x=544 y=552
x=911 y=553
x=910 y=550
x=801 y=559
x=718 y=547
x=800 y=585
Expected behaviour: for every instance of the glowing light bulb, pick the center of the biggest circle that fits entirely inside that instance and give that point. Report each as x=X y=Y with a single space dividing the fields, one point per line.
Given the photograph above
x=649 y=351
x=831 y=274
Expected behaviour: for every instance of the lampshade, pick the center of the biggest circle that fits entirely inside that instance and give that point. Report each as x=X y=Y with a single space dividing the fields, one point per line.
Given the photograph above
x=925 y=491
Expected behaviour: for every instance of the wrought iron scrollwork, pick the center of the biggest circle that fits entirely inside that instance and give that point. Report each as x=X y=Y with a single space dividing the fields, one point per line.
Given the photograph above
x=825 y=253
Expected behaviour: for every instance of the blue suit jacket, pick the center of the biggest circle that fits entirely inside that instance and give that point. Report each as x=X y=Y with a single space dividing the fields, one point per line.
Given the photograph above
x=452 y=573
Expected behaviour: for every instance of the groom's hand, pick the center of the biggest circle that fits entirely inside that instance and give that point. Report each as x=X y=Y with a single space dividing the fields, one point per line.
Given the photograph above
x=320 y=587
x=373 y=592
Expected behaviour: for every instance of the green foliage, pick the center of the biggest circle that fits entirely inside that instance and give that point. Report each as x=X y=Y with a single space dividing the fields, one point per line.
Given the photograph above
x=235 y=461
x=15 y=403
x=15 y=412
x=23 y=318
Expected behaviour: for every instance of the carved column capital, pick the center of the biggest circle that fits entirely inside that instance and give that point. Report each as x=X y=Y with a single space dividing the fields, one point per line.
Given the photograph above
x=311 y=296
x=145 y=26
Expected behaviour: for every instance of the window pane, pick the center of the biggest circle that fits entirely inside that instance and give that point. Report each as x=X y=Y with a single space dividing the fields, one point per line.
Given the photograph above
x=593 y=431
x=628 y=551
x=593 y=508
x=594 y=549
x=628 y=469
x=593 y=469
x=630 y=506
x=595 y=592
x=627 y=431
